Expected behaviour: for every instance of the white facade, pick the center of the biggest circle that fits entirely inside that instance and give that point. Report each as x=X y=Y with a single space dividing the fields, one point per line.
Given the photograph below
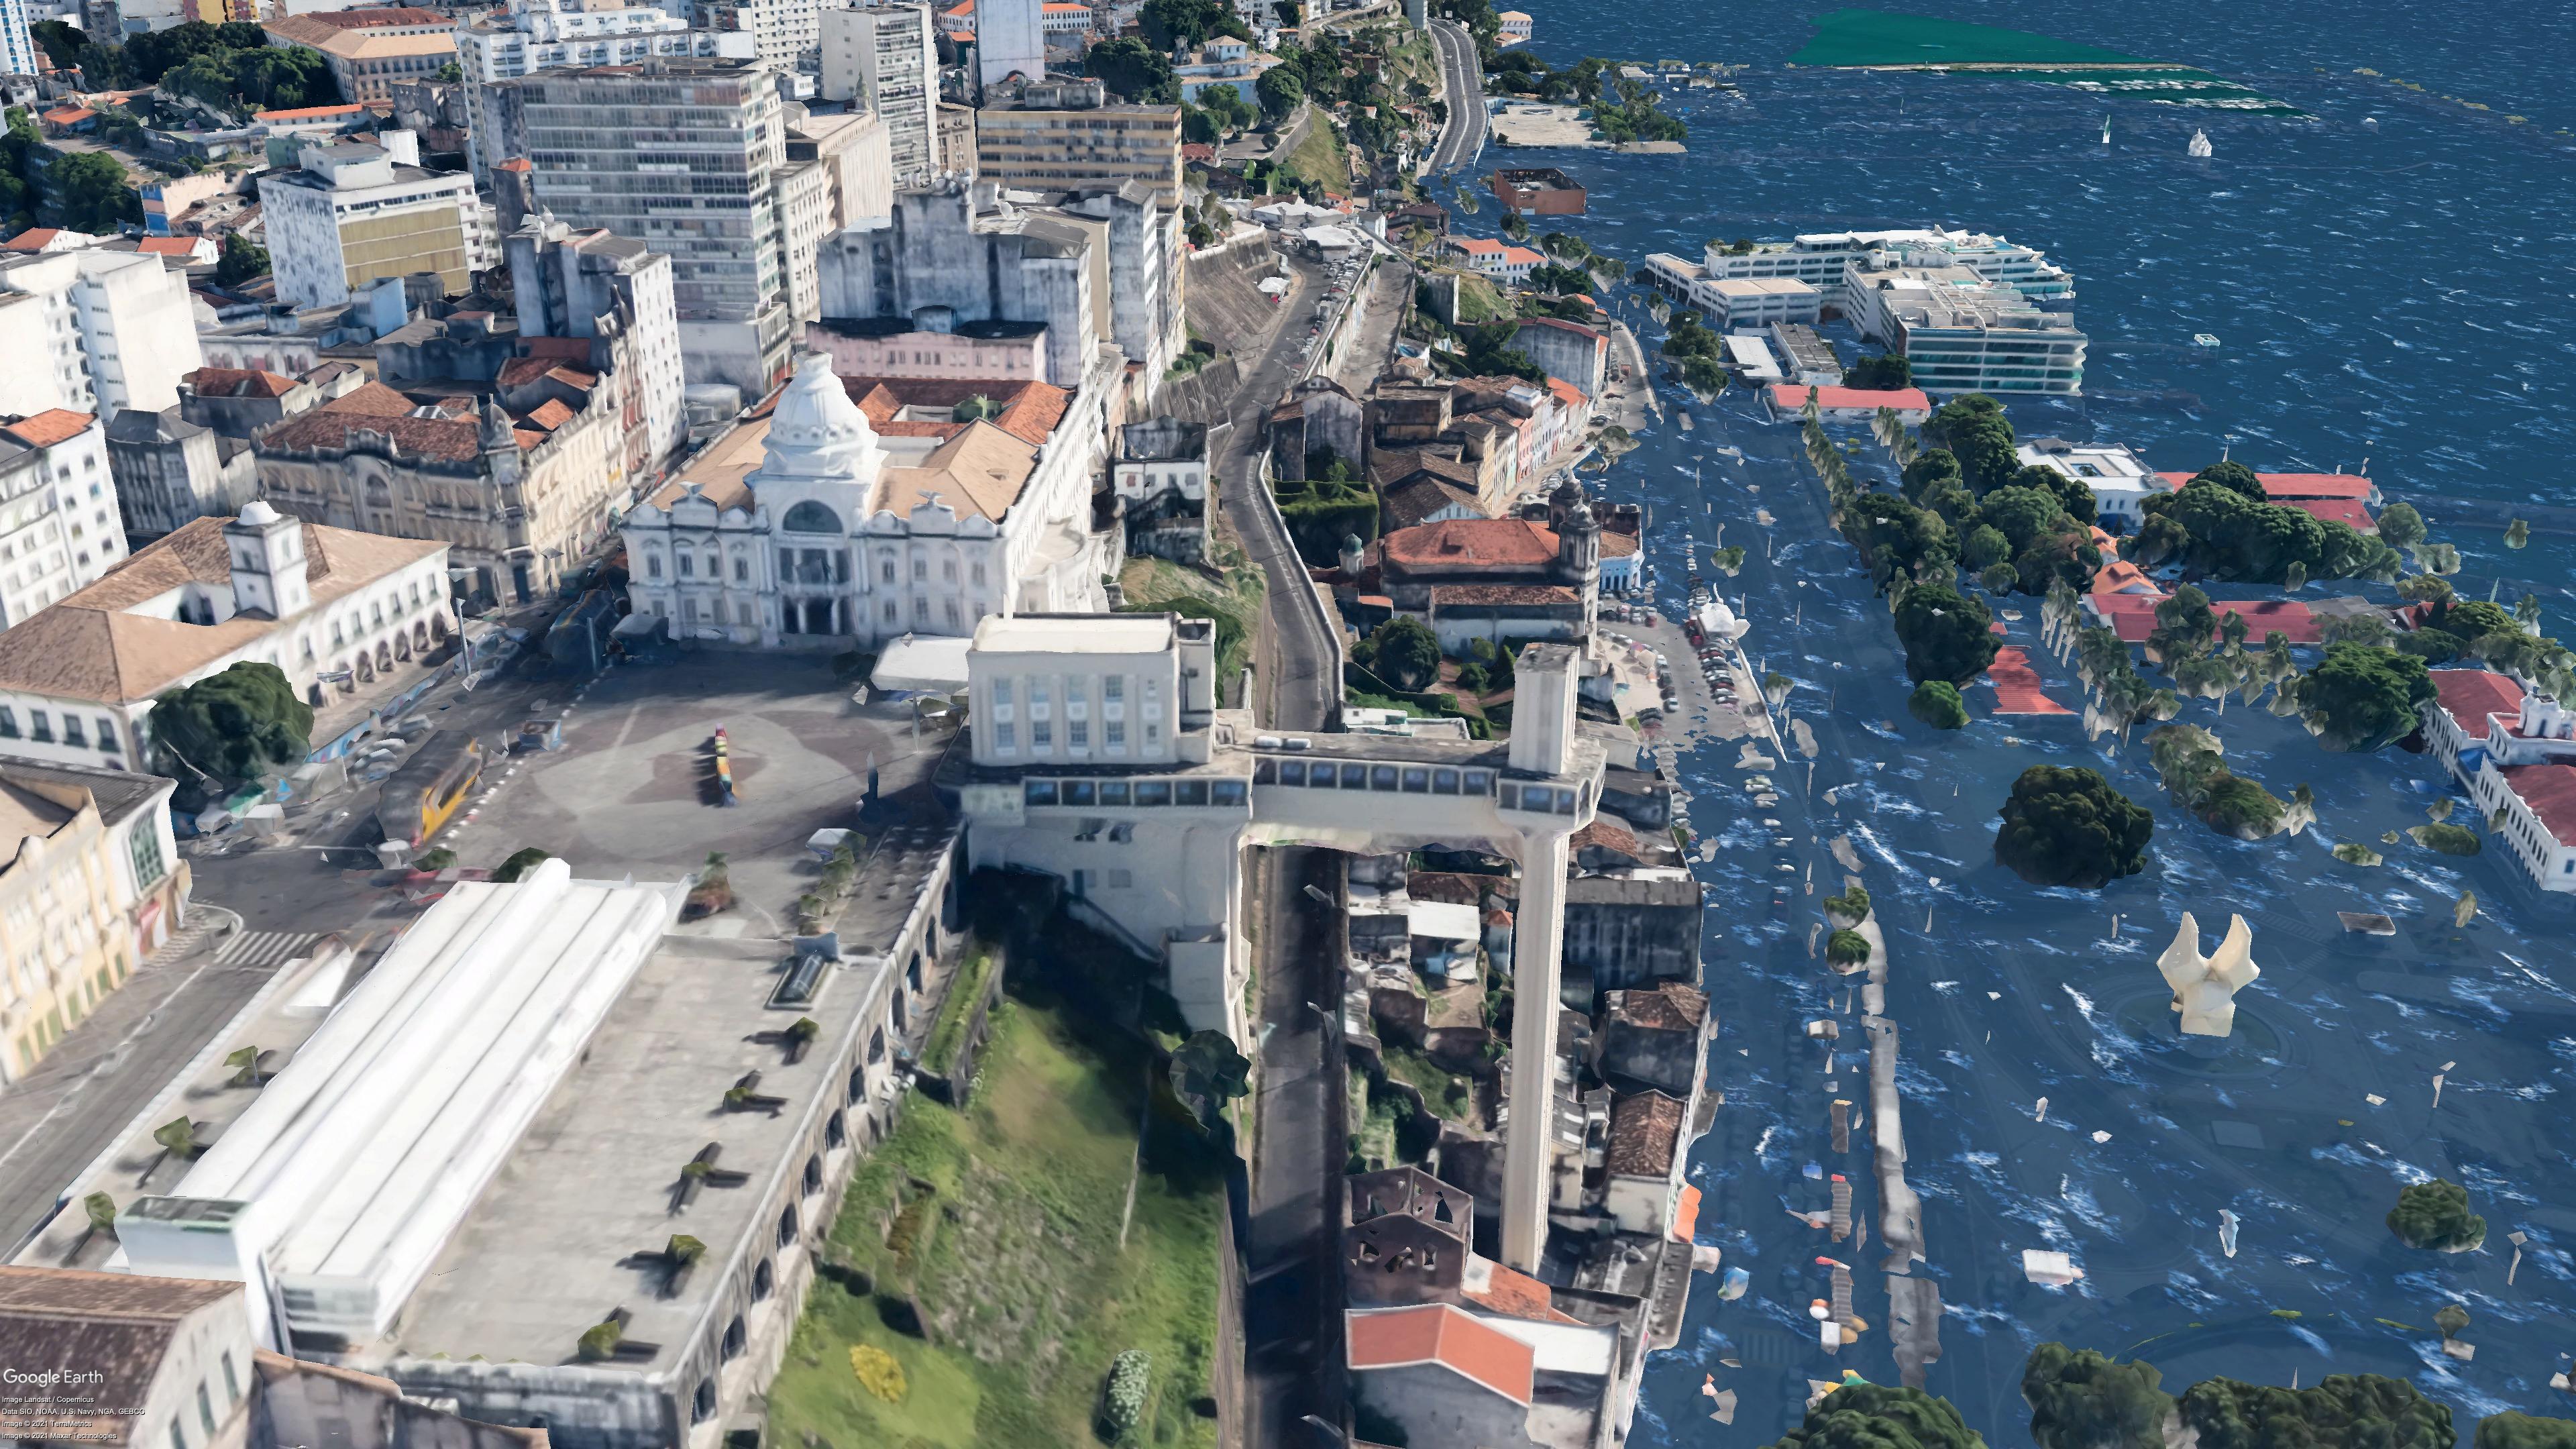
x=17 y=41
x=2120 y=480
x=535 y=35
x=2514 y=752
x=351 y=213
x=1818 y=259
x=1010 y=39
x=845 y=540
x=59 y=522
x=888 y=57
x=94 y=331
x=1963 y=333
x=783 y=32
x=333 y=1193
x=1734 y=304
x=805 y=215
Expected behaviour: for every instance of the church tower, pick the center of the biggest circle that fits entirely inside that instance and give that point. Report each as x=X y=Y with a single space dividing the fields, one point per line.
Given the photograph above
x=267 y=549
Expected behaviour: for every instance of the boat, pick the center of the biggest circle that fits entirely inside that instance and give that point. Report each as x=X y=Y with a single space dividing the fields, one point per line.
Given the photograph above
x=2199 y=149
x=2371 y=121
x=2204 y=339
x=2106 y=130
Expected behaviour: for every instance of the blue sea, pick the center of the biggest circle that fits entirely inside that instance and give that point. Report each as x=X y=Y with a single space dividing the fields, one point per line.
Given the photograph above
x=2397 y=292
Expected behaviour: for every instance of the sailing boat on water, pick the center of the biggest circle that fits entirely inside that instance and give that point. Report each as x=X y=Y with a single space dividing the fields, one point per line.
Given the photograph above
x=2199 y=149
x=2106 y=128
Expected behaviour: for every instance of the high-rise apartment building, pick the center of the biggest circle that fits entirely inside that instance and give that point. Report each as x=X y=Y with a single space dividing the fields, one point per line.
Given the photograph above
x=1060 y=135
x=887 y=57
x=352 y=212
x=535 y=35
x=684 y=156
x=59 y=527
x=93 y=331
x=783 y=32
x=1010 y=40
x=17 y=40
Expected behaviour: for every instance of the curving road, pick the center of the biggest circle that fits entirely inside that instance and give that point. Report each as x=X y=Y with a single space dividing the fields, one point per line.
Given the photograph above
x=1462 y=85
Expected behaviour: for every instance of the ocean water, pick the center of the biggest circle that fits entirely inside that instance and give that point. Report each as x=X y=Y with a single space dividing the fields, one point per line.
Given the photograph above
x=2399 y=293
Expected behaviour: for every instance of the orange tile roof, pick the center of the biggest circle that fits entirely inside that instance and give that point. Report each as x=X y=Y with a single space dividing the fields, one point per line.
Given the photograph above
x=308 y=113
x=238 y=382
x=1789 y=397
x=53 y=425
x=373 y=399
x=551 y=416
x=34 y=239
x=169 y=246
x=1509 y=1292
x=2470 y=695
x=1686 y=1215
x=1645 y=1135
x=1476 y=544
x=1435 y=1333
x=1605 y=835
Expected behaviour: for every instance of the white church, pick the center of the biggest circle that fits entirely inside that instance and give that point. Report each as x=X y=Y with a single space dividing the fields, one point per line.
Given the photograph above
x=842 y=538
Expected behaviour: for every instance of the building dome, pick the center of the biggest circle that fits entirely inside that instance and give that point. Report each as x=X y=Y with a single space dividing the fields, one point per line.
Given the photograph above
x=258 y=514
x=817 y=432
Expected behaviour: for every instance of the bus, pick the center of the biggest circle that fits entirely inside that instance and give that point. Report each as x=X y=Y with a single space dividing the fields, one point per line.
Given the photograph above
x=422 y=795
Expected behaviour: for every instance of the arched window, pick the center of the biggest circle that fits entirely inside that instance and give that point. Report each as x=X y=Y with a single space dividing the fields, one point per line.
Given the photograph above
x=813 y=1175
x=787 y=1228
x=702 y=1406
x=735 y=1336
x=836 y=1131
x=811 y=517
x=859 y=1083
x=762 y=1280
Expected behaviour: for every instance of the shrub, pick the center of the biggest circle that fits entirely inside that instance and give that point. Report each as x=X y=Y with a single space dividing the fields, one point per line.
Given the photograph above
x=1847 y=948
x=1851 y=905
x=1124 y=1403
x=2448 y=839
x=101 y=1209
x=438 y=859
x=1936 y=702
x=519 y=864
x=2436 y=1215
x=599 y=1342
x=878 y=1372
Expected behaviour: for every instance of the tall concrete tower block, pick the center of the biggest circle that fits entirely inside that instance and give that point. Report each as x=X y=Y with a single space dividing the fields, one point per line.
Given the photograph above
x=1010 y=35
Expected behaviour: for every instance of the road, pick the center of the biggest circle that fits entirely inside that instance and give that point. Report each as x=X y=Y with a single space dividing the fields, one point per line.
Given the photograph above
x=1462 y=86
x=1292 y=1308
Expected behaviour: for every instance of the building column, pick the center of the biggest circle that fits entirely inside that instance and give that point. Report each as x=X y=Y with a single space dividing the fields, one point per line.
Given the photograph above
x=1538 y=947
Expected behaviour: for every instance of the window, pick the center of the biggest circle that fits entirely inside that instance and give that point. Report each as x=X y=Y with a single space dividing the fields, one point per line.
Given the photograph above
x=232 y=1383
x=1037 y=792
x=652 y=570
x=1153 y=792
x=205 y=1408
x=787 y=1228
x=688 y=565
x=1113 y=792
x=1114 y=734
x=741 y=569
x=40 y=727
x=885 y=569
x=8 y=723
x=1041 y=735
x=1113 y=689
x=1005 y=736
x=73 y=734
x=178 y=1435
x=920 y=569
x=1077 y=733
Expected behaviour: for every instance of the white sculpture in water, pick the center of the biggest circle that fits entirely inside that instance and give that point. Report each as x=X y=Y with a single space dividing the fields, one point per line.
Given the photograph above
x=2205 y=987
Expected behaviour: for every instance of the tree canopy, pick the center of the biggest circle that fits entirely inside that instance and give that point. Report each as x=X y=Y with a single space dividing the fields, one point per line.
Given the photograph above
x=2069 y=827
x=92 y=192
x=1279 y=91
x=2341 y=1411
x=2435 y=1215
x=1402 y=651
x=1948 y=636
x=1936 y=702
x=2080 y=1400
x=1170 y=23
x=1881 y=1416
x=520 y=863
x=240 y=261
x=2361 y=698
x=1887 y=372
x=2210 y=527
x=2510 y=1430
x=1975 y=429
x=1132 y=68
x=236 y=723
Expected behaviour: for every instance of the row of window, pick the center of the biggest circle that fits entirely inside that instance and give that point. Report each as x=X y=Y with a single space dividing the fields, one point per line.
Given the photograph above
x=1077 y=735
x=40 y=729
x=1141 y=793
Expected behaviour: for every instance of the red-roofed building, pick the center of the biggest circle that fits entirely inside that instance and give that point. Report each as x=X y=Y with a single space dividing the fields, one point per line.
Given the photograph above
x=195 y=251
x=2515 y=753
x=1445 y=1374
x=2539 y=802
x=51 y=239
x=2468 y=706
x=1787 y=401
x=65 y=530
x=1487 y=578
x=2133 y=616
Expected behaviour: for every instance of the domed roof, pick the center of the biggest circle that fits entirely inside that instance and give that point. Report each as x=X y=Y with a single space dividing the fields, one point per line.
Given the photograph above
x=258 y=513
x=817 y=432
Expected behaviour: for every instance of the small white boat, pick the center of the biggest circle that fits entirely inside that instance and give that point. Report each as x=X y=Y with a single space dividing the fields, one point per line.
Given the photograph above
x=2199 y=149
x=2204 y=339
x=2106 y=130
x=2371 y=121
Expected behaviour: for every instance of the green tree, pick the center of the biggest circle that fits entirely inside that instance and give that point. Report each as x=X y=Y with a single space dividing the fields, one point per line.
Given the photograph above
x=1489 y=353
x=2341 y=1411
x=1947 y=635
x=1936 y=702
x=236 y=723
x=240 y=260
x=1227 y=105
x=2400 y=526
x=1209 y=1072
x=2435 y=1215
x=2185 y=624
x=1131 y=68
x=1402 y=651
x=1887 y=372
x=1279 y=91
x=1562 y=280
x=2360 y=699
x=1847 y=948
x=2068 y=827
x=2425 y=589
x=2080 y=1400
x=1565 y=244
x=2510 y=1430
x=1896 y=538
x=1998 y=579
x=2071 y=493
x=1986 y=547
x=1930 y=468
x=2234 y=477
x=520 y=863
x=1881 y=1416
x=94 y=196
x=1170 y=23
x=1974 y=427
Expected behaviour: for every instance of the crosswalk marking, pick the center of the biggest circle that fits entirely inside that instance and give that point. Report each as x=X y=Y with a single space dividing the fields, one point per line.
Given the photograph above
x=264 y=948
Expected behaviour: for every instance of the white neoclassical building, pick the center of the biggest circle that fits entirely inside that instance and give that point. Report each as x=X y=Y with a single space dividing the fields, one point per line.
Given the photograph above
x=844 y=538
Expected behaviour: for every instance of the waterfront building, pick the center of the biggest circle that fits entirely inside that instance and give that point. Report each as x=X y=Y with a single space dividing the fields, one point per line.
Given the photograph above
x=1516 y=28
x=2344 y=498
x=324 y=605
x=349 y=213
x=1787 y=402
x=369 y=49
x=1820 y=259
x=1540 y=191
x=1749 y=304
x=94 y=331
x=169 y=470
x=854 y=529
x=91 y=884
x=886 y=58
x=2120 y=480
x=2514 y=751
x=1489 y=258
x=533 y=35
x=1963 y=333
x=682 y=155
x=1058 y=135
x=1568 y=351
x=59 y=523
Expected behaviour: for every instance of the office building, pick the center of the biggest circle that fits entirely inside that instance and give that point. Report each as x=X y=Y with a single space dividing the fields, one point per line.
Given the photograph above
x=533 y=35
x=1732 y=304
x=1819 y=259
x=839 y=173
x=610 y=290
x=1962 y=333
x=93 y=331
x=351 y=212
x=169 y=470
x=785 y=34
x=90 y=884
x=78 y=681
x=887 y=57
x=58 y=510
x=682 y=155
x=1063 y=134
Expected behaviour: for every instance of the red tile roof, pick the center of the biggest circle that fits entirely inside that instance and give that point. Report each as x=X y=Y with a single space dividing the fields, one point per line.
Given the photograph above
x=1466 y=595
x=372 y=399
x=2550 y=791
x=2470 y=695
x=1606 y=836
x=551 y=416
x=1031 y=411
x=308 y=113
x=1789 y=397
x=1471 y=545
x=1512 y=1294
x=34 y=239
x=1435 y=1333
x=451 y=440
x=2347 y=511
x=169 y=246
x=2017 y=688
x=2282 y=487
x=2133 y=616
x=1645 y=1133
x=238 y=382
x=70 y=115
x=515 y=163
x=1477 y=246
x=1686 y=1215
x=53 y=425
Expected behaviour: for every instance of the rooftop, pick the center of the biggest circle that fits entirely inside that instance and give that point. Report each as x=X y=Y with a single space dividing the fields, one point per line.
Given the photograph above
x=1471 y=545
x=116 y=1324
x=1645 y=1133
x=1790 y=397
x=2550 y=791
x=1670 y=1006
x=1066 y=634
x=2468 y=696
x=1760 y=287
x=1435 y=1333
x=45 y=429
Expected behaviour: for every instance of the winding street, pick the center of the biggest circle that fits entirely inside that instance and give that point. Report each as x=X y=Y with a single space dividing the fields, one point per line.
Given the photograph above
x=1462 y=136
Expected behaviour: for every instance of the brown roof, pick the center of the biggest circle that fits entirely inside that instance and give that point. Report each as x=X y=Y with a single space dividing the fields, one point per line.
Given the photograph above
x=981 y=470
x=53 y=425
x=1645 y=1133
x=238 y=382
x=1510 y=1292
x=1452 y=1338
x=1471 y=545
x=1669 y=1007
x=1459 y=595
x=550 y=415
x=170 y=246
x=1409 y=503
x=117 y=1324
x=1606 y=835
x=85 y=646
x=1030 y=411
x=1457 y=887
x=446 y=440
x=1618 y=545
x=371 y=399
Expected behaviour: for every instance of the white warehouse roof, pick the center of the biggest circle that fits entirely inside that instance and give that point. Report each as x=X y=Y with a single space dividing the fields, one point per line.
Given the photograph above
x=361 y=1158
